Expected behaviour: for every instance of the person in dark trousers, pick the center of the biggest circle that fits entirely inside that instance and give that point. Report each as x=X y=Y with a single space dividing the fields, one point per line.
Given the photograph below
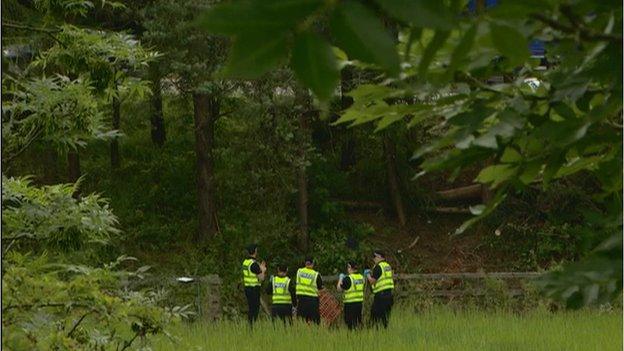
x=353 y=287
x=283 y=295
x=253 y=275
x=382 y=284
x=309 y=282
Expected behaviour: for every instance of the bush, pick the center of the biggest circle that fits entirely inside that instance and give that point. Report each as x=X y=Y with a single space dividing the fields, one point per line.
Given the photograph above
x=50 y=298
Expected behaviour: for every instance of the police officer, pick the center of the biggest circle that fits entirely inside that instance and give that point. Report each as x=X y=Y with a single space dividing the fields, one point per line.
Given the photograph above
x=283 y=294
x=309 y=282
x=253 y=274
x=353 y=286
x=382 y=283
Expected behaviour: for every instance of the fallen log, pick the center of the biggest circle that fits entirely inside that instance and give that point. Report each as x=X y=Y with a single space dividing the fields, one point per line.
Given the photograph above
x=461 y=210
x=360 y=205
x=462 y=193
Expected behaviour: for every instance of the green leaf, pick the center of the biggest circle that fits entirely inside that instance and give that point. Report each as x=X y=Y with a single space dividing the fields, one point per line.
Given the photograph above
x=555 y=161
x=253 y=55
x=366 y=92
x=510 y=155
x=563 y=110
x=463 y=48
x=436 y=43
x=419 y=13
x=315 y=65
x=361 y=34
x=388 y=120
x=267 y=16
x=394 y=114
x=511 y=43
x=496 y=174
x=578 y=164
x=531 y=170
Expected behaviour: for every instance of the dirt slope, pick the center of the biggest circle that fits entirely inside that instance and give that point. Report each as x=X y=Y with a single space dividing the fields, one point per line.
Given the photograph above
x=436 y=249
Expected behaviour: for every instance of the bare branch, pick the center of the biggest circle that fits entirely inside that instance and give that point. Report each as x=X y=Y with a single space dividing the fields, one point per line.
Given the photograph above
x=73 y=329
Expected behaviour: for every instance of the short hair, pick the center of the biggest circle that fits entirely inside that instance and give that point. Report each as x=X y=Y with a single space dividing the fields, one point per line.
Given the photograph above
x=352 y=264
x=251 y=248
x=379 y=253
x=282 y=268
x=309 y=260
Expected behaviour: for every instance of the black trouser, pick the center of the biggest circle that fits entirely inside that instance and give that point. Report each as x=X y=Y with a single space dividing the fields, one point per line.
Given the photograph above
x=308 y=308
x=282 y=311
x=253 y=302
x=382 y=305
x=353 y=314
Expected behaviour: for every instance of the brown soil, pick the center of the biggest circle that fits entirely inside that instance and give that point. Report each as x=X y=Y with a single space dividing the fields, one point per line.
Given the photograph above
x=437 y=248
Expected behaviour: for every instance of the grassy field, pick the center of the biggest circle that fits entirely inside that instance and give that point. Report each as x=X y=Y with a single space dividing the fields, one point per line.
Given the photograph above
x=439 y=329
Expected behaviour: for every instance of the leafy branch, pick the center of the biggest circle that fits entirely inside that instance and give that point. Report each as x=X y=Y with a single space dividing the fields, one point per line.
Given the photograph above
x=48 y=31
x=577 y=27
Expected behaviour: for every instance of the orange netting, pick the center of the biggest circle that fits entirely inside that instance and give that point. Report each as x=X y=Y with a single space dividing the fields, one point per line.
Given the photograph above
x=329 y=307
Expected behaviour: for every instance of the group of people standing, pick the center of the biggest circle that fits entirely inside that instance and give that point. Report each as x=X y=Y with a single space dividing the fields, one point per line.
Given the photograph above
x=302 y=294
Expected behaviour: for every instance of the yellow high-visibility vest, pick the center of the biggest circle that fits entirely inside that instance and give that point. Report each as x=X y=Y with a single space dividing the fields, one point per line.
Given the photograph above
x=281 y=293
x=249 y=278
x=306 y=282
x=385 y=281
x=355 y=293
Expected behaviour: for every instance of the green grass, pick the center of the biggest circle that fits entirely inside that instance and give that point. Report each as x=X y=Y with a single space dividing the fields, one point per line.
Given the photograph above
x=438 y=329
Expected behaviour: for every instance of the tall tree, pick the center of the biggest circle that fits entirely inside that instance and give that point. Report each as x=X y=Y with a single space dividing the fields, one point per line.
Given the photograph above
x=305 y=113
x=193 y=58
x=393 y=178
x=206 y=109
x=157 y=120
x=348 y=146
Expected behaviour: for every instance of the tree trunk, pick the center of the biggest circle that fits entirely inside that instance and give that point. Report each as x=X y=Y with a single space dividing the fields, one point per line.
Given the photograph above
x=303 y=238
x=73 y=166
x=50 y=166
x=73 y=170
x=393 y=179
x=114 y=146
x=347 y=152
x=206 y=111
x=157 y=120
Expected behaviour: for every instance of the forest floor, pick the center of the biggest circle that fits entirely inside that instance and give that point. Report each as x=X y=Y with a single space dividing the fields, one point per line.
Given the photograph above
x=427 y=244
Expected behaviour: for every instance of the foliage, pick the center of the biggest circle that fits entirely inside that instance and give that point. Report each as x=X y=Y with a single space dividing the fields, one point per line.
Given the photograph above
x=107 y=58
x=533 y=126
x=71 y=307
x=190 y=56
x=57 y=111
x=537 y=228
x=64 y=8
x=52 y=217
x=49 y=304
x=590 y=281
